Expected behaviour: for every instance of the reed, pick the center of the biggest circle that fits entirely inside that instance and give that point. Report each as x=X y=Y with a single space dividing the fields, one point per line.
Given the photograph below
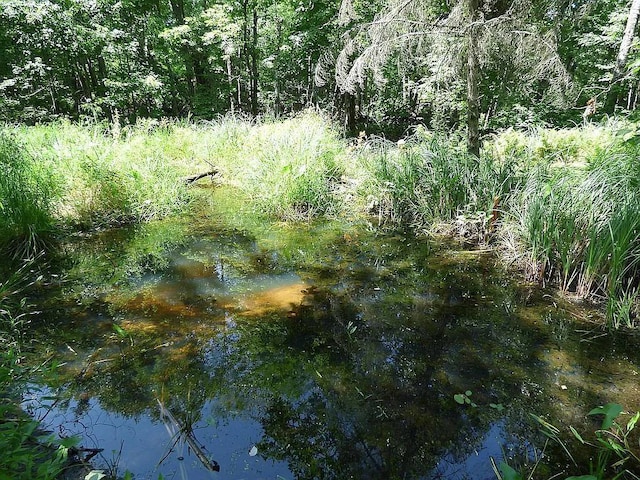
x=428 y=179
x=580 y=226
x=27 y=193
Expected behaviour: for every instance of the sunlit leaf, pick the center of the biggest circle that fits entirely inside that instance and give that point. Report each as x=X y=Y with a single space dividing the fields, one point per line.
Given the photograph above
x=460 y=398
x=95 y=475
x=69 y=442
x=576 y=434
x=610 y=412
x=119 y=330
x=632 y=423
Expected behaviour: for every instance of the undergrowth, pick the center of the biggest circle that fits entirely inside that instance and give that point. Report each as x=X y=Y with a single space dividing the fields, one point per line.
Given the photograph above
x=560 y=204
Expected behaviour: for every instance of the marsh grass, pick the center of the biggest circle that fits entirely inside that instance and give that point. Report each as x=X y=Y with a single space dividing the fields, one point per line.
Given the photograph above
x=579 y=224
x=428 y=180
x=290 y=169
x=563 y=204
x=108 y=175
x=27 y=191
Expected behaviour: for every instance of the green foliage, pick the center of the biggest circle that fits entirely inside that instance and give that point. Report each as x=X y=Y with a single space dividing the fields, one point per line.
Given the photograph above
x=464 y=398
x=427 y=179
x=576 y=214
x=615 y=454
x=27 y=452
x=107 y=176
x=27 y=194
x=289 y=169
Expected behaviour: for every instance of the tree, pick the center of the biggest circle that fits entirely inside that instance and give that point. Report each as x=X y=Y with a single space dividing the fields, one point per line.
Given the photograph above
x=446 y=46
x=623 y=54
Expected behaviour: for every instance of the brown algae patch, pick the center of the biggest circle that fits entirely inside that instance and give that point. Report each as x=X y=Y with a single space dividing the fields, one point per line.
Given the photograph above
x=280 y=298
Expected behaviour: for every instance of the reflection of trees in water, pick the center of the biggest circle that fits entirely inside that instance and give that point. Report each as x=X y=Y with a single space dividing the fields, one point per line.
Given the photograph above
x=362 y=386
x=357 y=381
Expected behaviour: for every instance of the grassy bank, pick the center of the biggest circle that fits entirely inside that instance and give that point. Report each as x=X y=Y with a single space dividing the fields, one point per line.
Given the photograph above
x=561 y=205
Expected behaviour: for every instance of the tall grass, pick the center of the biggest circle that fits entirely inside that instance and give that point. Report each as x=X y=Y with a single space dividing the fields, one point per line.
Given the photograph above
x=579 y=226
x=289 y=169
x=565 y=202
x=27 y=193
x=108 y=175
x=428 y=179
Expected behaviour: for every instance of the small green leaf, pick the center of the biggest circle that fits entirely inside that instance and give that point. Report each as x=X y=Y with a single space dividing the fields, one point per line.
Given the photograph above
x=459 y=398
x=497 y=406
x=119 y=330
x=468 y=393
x=69 y=442
x=577 y=435
x=509 y=473
x=632 y=423
x=610 y=412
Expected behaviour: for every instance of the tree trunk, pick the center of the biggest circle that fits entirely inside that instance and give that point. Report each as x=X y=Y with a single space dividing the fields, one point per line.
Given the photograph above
x=473 y=102
x=230 y=84
x=623 y=54
x=254 y=64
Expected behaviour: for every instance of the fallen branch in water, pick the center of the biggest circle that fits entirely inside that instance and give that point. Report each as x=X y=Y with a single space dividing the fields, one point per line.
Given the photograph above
x=185 y=432
x=195 y=178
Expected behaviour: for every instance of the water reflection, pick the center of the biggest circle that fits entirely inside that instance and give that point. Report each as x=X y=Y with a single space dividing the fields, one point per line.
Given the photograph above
x=336 y=358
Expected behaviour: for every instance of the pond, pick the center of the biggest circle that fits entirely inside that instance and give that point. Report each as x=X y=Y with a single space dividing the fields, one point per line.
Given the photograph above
x=221 y=345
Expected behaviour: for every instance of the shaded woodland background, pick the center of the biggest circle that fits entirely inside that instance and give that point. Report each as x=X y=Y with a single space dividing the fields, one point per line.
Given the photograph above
x=378 y=66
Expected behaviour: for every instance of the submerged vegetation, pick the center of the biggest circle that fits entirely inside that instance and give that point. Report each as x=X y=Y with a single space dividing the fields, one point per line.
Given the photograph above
x=560 y=205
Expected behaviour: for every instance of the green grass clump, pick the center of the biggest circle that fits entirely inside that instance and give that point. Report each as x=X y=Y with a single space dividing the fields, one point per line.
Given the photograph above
x=289 y=169
x=27 y=193
x=427 y=180
x=108 y=175
x=580 y=227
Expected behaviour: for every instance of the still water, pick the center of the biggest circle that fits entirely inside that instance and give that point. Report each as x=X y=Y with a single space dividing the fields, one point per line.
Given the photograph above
x=225 y=346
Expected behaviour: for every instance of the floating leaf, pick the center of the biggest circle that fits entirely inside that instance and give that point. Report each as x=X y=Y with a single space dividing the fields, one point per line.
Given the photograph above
x=497 y=406
x=253 y=452
x=468 y=393
x=610 y=412
x=460 y=398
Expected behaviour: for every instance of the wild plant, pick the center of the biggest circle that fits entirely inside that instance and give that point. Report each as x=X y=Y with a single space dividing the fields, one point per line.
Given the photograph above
x=27 y=194
x=289 y=169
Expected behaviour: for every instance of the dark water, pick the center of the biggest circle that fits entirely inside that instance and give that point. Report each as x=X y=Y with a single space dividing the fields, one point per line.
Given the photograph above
x=326 y=351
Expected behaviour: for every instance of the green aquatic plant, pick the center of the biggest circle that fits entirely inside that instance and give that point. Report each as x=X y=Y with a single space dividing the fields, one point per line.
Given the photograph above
x=617 y=453
x=427 y=179
x=28 y=453
x=465 y=398
x=615 y=450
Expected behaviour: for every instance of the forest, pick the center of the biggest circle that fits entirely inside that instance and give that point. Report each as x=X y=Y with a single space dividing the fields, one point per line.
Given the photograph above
x=380 y=66
x=276 y=218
